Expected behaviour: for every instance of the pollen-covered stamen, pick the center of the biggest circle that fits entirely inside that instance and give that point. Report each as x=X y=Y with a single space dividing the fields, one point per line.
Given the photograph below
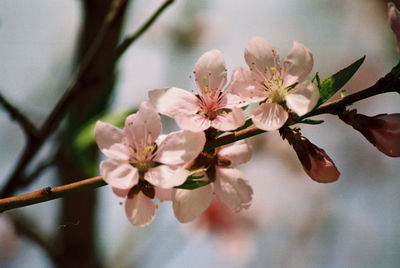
x=275 y=88
x=142 y=158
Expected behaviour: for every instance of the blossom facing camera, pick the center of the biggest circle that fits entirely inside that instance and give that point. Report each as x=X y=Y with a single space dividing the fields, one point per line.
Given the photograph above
x=394 y=21
x=142 y=164
x=276 y=88
x=383 y=131
x=210 y=107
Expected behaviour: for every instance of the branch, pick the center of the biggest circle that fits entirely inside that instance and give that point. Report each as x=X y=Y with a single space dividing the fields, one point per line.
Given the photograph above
x=28 y=128
x=49 y=193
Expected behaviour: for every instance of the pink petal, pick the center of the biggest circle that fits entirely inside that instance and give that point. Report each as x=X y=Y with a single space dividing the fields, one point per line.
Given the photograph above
x=260 y=54
x=188 y=204
x=232 y=189
x=163 y=194
x=248 y=87
x=119 y=174
x=232 y=101
x=111 y=140
x=269 y=116
x=192 y=122
x=144 y=126
x=238 y=152
x=120 y=192
x=297 y=65
x=180 y=147
x=303 y=98
x=394 y=21
x=210 y=70
x=229 y=121
x=387 y=138
x=174 y=101
x=140 y=210
x=165 y=176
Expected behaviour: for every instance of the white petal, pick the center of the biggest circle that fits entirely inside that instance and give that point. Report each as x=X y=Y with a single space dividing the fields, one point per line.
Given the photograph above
x=111 y=140
x=303 y=98
x=269 y=116
x=192 y=122
x=229 y=121
x=165 y=176
x=260 y=54
x=245 y=85
x=144 y=126
x=210 y=70
x=140 y=210
x=188 y=204
x=233 y=189
x=238 y=152
x=297 y=65
x=174 y=101
x=180 y=147
x=119 y=174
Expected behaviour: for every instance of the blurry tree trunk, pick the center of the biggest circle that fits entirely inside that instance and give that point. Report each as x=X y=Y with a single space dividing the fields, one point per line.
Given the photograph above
x=77 y=235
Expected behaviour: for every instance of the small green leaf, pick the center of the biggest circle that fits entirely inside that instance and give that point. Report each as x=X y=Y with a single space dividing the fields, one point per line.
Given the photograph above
x=334 y=83
x=311 y=122
x=193 y=184
x=343 y=93
x=247 y=123
x=316 y=77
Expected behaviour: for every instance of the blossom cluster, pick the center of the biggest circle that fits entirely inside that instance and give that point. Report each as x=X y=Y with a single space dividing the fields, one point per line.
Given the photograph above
x=188 y=168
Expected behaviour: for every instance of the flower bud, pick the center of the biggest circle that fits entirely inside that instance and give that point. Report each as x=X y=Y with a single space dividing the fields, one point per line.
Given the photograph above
x=394 y=20
x=383 y=130
x=316 y=163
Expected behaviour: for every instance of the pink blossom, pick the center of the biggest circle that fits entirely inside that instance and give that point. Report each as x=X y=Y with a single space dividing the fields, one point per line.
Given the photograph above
x=210 y=107
x=228 y=183
x=383 y=131
x=274 y=86
x=142 y=164
x=394 y=20
x=316 y=163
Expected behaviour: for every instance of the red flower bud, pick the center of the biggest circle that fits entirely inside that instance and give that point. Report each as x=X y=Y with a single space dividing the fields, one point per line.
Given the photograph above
x=383 y=131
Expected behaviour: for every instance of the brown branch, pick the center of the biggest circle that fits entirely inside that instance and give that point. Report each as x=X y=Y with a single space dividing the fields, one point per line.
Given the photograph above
x=50 y=193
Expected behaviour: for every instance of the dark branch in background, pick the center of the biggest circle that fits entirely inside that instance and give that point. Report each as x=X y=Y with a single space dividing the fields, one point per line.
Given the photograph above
x=77 y=85
x=28 y=128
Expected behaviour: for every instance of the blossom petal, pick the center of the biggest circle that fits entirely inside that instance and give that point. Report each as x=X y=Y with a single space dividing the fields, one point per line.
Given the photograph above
x=303 y=98
x=163 y=194
x=229 y=121
x=232 y=189
x=119 y=174
x=111 y=140
x=247 y=86
x=269 y=116
x=144 y=126
x=120 y=192
x=260 y=54
x=140 y=210
x=238 y=152
x=210 y=71
x=174 y=101
x=165 y=176
x=188 y=204
x=180 y=147
x=387 y=138
x=394 y=21
x=192 y=122
x=297 y=64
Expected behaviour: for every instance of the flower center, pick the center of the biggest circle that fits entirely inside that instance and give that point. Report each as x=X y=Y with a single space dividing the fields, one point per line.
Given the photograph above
x=274 y=87
x=141 y=158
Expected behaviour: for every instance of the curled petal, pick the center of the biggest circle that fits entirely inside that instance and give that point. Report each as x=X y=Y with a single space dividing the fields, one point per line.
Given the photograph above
x=269 y=116
x=140 y=210
x=303 y=98
x=180 y=147
x=166 y=176
x=174 y=101
x=210 y=71
x=111 y=140
x=144 y=126
x=188 y=204
x=119 y=174
x=238 y=152
x=297 y=64
x=229 y=121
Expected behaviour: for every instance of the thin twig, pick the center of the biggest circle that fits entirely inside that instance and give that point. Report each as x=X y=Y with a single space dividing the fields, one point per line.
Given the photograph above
x=28 y=128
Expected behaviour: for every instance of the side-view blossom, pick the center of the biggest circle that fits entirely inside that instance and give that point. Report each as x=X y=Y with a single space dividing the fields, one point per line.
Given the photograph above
x=210 y=107
x=228 y=183
x=394 y=21
x=142 y=164
x=383 y=130
x=273 y=86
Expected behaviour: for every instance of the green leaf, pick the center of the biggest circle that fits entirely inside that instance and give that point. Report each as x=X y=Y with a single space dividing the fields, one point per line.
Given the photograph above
x=85 y=136
x=333 y=84
x=193 y=184
x=311 y=122
x=246 y=124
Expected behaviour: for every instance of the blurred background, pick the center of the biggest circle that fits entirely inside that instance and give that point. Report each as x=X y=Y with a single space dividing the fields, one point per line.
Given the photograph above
x=293 y=221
